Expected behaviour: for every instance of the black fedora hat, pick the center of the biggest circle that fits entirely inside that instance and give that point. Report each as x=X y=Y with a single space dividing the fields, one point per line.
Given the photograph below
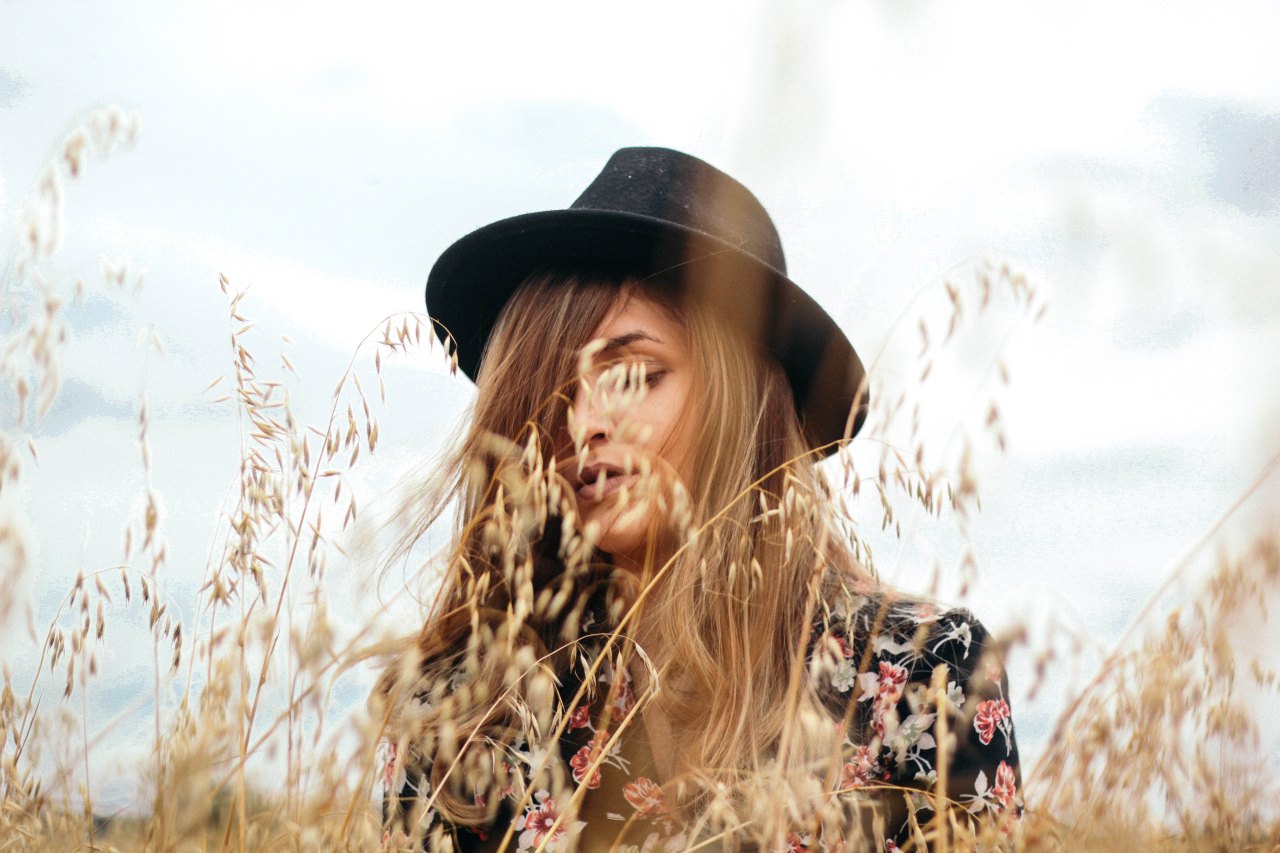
x=658 y=211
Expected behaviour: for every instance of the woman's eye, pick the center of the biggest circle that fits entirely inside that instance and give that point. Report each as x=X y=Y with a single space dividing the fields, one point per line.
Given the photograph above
x=623 y=375
x=647 y=374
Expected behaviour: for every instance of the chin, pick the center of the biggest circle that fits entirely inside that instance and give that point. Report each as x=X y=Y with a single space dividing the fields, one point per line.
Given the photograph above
x=623 y=534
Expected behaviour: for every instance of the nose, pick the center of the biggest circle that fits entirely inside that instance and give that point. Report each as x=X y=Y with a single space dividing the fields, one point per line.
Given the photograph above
x=588 y=424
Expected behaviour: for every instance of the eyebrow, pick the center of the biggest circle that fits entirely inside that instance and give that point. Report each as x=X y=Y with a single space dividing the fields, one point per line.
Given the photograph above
x=622 y=341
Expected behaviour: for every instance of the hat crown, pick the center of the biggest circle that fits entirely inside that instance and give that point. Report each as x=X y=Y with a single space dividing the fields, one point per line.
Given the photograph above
x=674 y=187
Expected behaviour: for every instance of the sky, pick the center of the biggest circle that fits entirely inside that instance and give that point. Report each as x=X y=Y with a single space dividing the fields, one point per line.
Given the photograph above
x=1126 y=159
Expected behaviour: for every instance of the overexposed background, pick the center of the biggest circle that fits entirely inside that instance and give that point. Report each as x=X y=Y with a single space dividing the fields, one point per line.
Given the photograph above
x=1125 y=157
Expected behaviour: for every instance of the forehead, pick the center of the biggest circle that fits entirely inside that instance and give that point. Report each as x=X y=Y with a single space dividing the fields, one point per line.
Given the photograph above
x=637 y=320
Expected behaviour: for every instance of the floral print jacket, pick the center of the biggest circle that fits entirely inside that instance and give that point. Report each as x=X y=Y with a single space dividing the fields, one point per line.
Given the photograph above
x=874 y=663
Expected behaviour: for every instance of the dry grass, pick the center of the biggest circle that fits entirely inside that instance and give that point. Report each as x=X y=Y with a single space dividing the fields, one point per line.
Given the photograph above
x=1157 y=752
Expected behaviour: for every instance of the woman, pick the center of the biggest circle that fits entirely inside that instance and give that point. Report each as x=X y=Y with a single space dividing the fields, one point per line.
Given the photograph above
x=653 y=631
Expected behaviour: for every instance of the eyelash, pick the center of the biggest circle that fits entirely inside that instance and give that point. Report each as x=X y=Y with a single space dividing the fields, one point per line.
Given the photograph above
x=652 y=377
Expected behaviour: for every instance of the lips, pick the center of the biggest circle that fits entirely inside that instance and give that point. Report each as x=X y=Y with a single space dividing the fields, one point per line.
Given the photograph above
x=602 y=480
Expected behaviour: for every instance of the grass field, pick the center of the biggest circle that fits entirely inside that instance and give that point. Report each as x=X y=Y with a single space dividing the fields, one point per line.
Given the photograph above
x=1158 y=751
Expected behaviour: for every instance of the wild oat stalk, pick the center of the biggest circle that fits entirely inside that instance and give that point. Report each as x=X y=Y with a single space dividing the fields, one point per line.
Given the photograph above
x=1163 y=744
x=1148 y=753
x=32 y=301
x=265 y=606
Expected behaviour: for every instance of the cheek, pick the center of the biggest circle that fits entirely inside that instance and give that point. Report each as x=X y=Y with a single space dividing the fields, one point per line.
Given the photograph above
x=679 y=435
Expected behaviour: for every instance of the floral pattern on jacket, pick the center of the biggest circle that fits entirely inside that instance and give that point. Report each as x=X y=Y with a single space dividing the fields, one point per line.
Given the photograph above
x=885 y=653
x=873 y=666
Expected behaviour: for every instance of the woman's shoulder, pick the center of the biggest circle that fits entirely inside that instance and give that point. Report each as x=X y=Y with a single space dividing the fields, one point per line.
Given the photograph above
x=892 y=667
x=893 y=635
x=889 y=614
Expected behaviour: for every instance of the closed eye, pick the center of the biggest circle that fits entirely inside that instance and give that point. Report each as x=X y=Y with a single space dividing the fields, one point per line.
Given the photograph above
x=631 y=372
x=643 y=371
x=653 y=377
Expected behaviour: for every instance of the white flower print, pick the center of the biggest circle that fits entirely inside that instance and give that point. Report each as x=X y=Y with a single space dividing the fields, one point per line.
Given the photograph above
x=539 y=825
x=955 y=697
x=994 y=798
x=889 y=736
x=845 y=676
x=913 y=732
x=958 y=630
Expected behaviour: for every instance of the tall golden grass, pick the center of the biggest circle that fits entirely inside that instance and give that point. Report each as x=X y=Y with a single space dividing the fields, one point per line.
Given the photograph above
x=1157 y=751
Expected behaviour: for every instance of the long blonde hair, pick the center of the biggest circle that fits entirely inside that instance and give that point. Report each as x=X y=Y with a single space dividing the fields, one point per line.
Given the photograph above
x=731 y=596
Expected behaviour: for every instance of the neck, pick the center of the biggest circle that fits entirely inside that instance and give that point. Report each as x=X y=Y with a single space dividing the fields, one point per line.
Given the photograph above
x=648 y=557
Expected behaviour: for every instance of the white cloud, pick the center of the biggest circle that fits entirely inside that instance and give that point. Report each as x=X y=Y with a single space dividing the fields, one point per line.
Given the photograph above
x=398 y=63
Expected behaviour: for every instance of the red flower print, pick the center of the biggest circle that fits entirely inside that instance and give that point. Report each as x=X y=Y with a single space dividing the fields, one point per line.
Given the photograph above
x=389 y=769
x=994 y=673
x=510 y=773
x=583 y=758
x=623 y=701
x=796 y=844
x=859 y=769
x=892 y=679
x=580 y=718
x=1005 y=786
x=538 y=823
x=991 y=715
x=645 y=797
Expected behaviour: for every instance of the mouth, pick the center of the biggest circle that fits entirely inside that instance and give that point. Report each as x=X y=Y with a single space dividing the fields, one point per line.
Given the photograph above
x=602 y=480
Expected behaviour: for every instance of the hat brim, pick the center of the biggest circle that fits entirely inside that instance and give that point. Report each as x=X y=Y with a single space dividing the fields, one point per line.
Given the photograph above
x=473 y=279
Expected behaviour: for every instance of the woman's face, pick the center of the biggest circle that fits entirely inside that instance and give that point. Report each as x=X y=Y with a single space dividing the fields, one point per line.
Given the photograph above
x=630 y=420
